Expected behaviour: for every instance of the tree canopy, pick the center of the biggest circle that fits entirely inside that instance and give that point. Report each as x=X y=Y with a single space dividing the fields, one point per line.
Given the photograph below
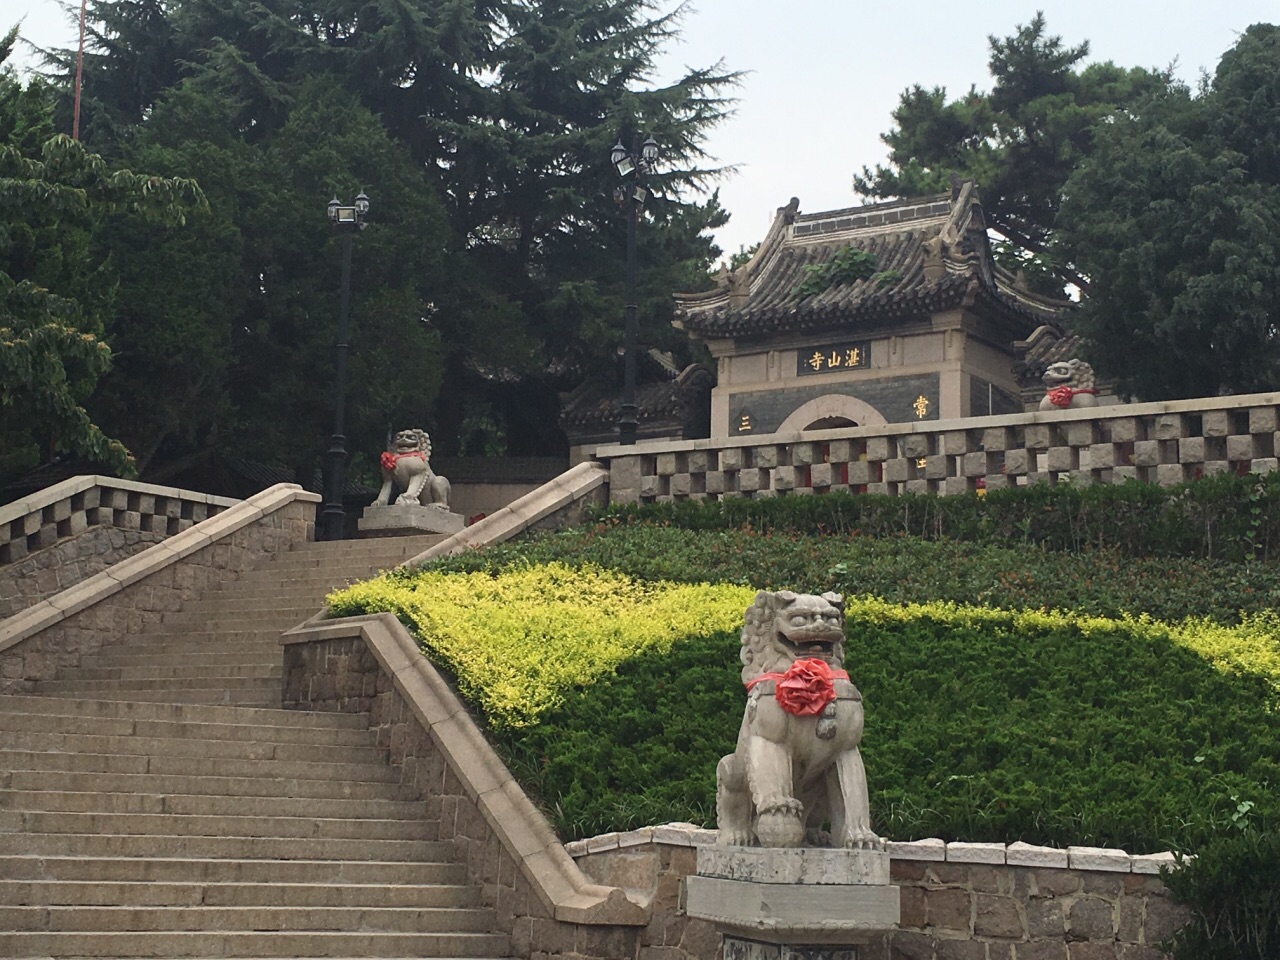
x=1175 y=218
x=1020 y=142
x=490 y=277
x=56 y=291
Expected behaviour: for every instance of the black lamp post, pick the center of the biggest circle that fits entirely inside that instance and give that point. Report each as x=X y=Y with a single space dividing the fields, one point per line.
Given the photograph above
x=346 y=220
x=632 y=165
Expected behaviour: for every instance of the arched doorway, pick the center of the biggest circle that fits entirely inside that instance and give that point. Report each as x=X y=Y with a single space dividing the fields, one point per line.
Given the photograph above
x=830 y=412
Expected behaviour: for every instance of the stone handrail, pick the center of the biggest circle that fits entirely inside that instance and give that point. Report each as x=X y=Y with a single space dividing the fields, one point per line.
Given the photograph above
x=323 y=671
x=1164 y=442
x=266 y=507
x=72 y=506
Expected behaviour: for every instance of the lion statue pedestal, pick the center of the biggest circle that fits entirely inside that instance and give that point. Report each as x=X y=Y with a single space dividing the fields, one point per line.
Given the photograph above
x=796 y=868
x=423 y=506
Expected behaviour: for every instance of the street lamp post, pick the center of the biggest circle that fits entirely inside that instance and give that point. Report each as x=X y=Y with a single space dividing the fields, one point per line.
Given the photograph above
x=632 y=165
x=346 y=221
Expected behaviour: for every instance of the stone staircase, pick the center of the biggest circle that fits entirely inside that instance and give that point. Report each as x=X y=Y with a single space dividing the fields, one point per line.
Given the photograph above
x=154 y=802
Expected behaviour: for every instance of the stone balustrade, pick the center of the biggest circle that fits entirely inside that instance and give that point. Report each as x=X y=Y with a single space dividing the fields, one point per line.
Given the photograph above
x=1165 y=442
x=71 y=507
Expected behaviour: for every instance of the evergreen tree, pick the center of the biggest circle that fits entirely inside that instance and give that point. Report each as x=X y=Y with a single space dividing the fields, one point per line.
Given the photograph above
x=1174 y=218
x=1020 y=142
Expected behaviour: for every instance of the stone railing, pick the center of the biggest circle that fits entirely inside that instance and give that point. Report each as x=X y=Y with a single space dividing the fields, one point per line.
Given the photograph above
x=959 y=900
x=1164 y=443
x=109 y=607
x=73 y=506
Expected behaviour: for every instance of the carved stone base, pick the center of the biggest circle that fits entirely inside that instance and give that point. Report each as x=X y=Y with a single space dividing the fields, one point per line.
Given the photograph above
x=407 y=519
x=798 y=900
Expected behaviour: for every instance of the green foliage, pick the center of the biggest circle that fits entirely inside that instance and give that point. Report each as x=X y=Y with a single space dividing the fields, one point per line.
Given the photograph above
x=1173 y=216
x=1233 y=888
x=491 y=276
x=988 y=725
x=903 y=569
x=1222 y=517
x=847 y=266
x=1020 y=142
x=56 y=290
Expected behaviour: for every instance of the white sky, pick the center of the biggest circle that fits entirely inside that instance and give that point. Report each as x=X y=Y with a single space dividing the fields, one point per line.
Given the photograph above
x=826 y=74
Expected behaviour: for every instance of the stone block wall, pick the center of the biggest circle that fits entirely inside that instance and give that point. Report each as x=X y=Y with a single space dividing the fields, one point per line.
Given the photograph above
x=342 y=675
x=108 y=607
x=1164 y=443
x=66 y=533
x=1023 y=903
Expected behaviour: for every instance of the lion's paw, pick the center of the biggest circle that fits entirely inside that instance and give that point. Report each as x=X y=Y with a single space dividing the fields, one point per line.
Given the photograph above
x=734 y=838
x=780 y=826
x=862 y=839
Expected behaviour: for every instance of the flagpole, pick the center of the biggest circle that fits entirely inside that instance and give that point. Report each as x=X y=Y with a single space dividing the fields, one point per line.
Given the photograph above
x=75 y=120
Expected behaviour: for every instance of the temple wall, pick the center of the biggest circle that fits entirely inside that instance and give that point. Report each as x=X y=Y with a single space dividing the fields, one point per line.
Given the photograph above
x=1166 y=442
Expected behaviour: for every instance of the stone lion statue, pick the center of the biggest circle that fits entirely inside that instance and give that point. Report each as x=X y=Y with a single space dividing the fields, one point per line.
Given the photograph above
x=1068 y=385
x=797 y=764
x=407 y=465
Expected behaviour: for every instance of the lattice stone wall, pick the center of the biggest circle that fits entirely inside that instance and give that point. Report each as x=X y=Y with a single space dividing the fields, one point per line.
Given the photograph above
x=1162 y=443
x=73 y=506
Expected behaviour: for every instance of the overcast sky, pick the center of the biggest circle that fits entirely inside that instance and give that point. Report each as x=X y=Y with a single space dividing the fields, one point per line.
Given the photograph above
x=824 y=75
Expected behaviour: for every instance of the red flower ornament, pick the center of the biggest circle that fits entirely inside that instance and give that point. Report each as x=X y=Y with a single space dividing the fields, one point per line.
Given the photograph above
x=806 y=688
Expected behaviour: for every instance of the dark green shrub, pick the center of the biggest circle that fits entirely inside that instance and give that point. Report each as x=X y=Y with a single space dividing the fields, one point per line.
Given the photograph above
x=1227 y=517
x=909 y=569
x=1233 y=888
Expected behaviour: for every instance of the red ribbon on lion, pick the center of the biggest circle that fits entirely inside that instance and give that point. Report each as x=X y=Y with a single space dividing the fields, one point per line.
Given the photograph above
x=389 y=459
x=1061 y=396
x=806 y=688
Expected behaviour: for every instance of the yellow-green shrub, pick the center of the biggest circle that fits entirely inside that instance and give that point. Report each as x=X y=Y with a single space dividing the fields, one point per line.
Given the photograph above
x=518 y=640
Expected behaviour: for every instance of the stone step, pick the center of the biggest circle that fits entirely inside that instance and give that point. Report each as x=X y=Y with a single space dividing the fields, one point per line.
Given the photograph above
x=211 y=805
x=242 y=607
x=213 y=894
x=114 y=781
x=115 y=687
x=329 y=873
x=35 y=822
x=86 y=919
x=243 y=749
x=185 y=713
x=261 y=697
x=52 y=723
x=226 y=847
x=226 y=623
x=207 y=640
x=264 y=944
x=265 y=663
x=185 y=766
x=178 y=651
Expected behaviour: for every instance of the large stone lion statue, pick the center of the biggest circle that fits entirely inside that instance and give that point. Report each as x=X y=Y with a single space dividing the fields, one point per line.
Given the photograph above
x=1069 y=384
x=407 y=465
x=797 y=764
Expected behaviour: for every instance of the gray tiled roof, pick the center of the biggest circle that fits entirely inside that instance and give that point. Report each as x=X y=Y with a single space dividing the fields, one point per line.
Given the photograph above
x=760 y=298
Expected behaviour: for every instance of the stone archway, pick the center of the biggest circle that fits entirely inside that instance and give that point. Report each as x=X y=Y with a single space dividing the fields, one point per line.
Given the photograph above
x=830 y=411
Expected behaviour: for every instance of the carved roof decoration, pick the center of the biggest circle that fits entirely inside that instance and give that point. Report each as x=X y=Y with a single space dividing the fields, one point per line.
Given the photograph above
x=672 y=403
x=932 y=254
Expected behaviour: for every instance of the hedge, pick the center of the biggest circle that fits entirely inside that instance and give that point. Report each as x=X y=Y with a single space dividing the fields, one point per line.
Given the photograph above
x=907 y=569
x=1225 y=517
x=982 y=724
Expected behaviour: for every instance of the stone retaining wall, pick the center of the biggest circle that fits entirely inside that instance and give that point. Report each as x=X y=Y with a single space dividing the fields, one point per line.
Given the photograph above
x=109 y=606
x=1163 y=443
x=64 y=534
x=371 y=665
x=960 y=901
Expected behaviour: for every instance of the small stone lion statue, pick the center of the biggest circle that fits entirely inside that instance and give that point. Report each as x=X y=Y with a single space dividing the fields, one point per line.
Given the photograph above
x=407 y=465
x=797 y=764
x=1068 y=386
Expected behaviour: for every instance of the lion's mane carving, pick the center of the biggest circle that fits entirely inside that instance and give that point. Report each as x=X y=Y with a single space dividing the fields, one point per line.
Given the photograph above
x=407 y=465
x=1069 y=384
x=792 y=773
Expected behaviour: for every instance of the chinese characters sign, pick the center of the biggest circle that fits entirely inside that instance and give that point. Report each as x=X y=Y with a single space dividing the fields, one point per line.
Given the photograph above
x=832 y=359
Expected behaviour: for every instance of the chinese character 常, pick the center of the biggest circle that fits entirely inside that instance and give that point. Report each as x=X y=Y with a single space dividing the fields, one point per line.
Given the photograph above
x=921 y=406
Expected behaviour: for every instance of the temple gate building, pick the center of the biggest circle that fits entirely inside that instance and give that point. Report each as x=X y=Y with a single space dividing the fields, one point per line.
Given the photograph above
x=929 y=333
